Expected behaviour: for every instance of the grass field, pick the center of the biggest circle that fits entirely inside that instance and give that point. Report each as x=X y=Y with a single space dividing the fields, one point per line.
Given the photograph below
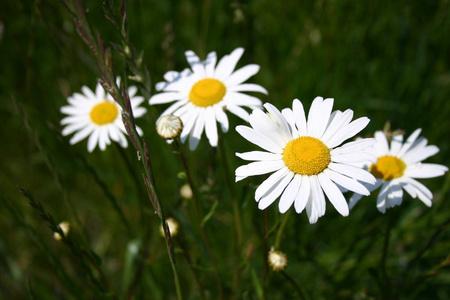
x=387 y=60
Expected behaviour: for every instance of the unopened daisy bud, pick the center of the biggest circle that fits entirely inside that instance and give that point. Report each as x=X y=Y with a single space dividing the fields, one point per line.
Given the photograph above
x=169 y=126
x=277 y=260
x=173 y=227
x=65 y=227
x=186 y=191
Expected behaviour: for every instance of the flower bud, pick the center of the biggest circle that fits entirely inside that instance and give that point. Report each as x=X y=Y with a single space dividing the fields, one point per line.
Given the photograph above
x=169 y=126
x=277 y=260
x=173 y=227
x=65 y=227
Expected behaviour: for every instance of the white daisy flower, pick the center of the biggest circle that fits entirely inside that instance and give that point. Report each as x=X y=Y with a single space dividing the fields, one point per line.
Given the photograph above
x=396 y=168
x=203 y=94
x=98 y=116
x=306 y=157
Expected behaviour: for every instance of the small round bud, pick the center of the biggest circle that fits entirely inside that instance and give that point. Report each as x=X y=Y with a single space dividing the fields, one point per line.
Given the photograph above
x=169 y=127
x=277 y=260
x=173 y=227
x=186 y=191
x=65 y=227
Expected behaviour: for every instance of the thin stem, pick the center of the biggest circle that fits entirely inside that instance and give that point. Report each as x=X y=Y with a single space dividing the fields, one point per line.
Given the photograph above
x=281 y=229
x=236 y=212
x=384 y=255
x=199 y=216
x=295 y=285
x=230 y=183
x=265 y=251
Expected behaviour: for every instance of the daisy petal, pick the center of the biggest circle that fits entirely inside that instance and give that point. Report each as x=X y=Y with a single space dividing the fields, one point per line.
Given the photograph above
x=248 y=87
x=227 y=64
x=242 y=75
x=303 y=194
x=346 y=182
x=259 y=156
x=258 y=139
x=426 y=171
x=275 y=191
x=334 y=194
x=258 y=168
x=164 y=98
x=290 y=193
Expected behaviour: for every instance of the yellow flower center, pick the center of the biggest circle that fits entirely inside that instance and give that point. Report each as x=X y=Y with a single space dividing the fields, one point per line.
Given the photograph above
x=104 y=113
x=388 y=167
x=306 y=156
x=207 y=92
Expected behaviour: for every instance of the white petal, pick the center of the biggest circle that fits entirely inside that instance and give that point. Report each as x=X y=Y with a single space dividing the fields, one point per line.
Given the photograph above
x=238 y=111
x=290 y=193
x=259 y=156
x=382 y=146
x=299 y=116
x=409 y=142
x=318 y=116
x=347 y=182
x=353 y=172
x=355 y=157
x=196 y=134
x=221 y=117
x=93 y=140
x=338 y=121
x=417 y=155
x=359 y=145
x=99 y=91
x=348 y=131
x=248 y=87
x=396 y=144
x=71 y=128
x=426 y=171
x=188 y=123
x=240 y=99
x=420 y=188
x=211 y=127
x=170 y=76
x=196 y=64
x=317 y=195
x=311 y=211
x=334 y=194
x=210 y=63
x=382 y=197
x=242 y=75
x=82 y=134
x=269 y=183
x=278 y=117
x=274 y=193
x=164 y=98
x=88 y=92
x=227 y=64
x=395 y=195
x=303 y=194
x=258 y=168
x=262 y=123
x=288 y=115
x=258 y=139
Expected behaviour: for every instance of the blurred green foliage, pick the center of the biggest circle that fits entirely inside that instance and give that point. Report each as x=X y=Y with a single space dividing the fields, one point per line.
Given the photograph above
x=388 y=60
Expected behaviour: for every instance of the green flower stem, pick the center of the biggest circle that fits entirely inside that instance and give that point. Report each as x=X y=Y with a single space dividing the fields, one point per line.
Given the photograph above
x=384 y=254
x=236 y=211
x=291 y=280
x=281 y=229
x=199 y=216
x=230 y=183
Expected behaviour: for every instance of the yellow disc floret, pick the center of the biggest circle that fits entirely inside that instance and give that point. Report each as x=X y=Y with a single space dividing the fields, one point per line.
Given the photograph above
x=207 y=92
x=388 y=167
x=306 y=156
x=104 y=113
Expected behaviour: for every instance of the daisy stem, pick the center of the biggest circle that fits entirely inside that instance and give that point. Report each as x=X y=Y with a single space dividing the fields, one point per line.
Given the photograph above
x=387 y=236
x=291 y=280
x=236 y=210
x=230 y=183
x=265 y=241
x=281 y=229
x=199 y=214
